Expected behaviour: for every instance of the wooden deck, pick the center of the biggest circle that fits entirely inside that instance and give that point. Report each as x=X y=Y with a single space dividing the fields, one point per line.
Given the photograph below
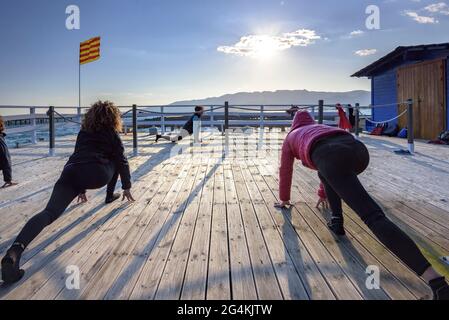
x=204 y=226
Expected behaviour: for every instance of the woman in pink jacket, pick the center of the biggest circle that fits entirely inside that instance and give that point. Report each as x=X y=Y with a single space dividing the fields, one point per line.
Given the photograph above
x=339 y=158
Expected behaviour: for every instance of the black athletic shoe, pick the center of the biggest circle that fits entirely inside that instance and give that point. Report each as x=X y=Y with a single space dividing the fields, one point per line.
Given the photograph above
x=336 y=226
x=158 y=136
x=10 y=269
x=114 y=197
x=440 y=289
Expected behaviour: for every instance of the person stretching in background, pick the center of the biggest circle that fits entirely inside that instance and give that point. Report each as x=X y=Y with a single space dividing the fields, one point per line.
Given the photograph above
x=344 y=122
x=5 y=158
x=192 y=126
x=98 y=160
x=339 y=158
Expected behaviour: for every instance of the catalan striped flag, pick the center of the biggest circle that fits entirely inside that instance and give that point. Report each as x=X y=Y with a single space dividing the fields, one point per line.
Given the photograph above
x=90 y=50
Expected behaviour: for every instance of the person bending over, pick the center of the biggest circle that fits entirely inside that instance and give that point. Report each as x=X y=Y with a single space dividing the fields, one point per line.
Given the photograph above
x=97 y=161
x=344 y=122
x=351 y=116
x=5 y=158
x=339 y=158
x=192 y=126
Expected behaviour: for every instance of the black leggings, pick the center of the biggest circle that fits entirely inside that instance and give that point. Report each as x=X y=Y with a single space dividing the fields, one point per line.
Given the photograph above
x=7 y=174
x=339 y=160
x=170 y=138
x=75 y=179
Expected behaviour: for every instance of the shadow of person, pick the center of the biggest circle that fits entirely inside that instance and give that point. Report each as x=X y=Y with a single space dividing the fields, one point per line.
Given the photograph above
x=293 y=249
x=135 y=266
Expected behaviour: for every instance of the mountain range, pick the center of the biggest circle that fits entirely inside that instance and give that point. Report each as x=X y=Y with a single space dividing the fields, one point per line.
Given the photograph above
x=287 y=97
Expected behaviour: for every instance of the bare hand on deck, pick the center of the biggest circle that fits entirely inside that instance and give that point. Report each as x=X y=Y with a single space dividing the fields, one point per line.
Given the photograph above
x=82 y=198
x=282 y=204
x=128 y=196
x=322 y=202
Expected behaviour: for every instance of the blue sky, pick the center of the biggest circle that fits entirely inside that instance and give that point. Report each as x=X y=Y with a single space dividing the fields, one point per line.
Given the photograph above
x=160 y=51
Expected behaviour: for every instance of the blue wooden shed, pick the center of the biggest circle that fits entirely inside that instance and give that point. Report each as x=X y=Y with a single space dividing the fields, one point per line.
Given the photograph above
x=417 y=72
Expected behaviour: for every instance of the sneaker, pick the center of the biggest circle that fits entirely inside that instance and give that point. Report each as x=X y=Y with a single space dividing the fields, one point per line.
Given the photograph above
x=336 y=226
x=10 y=268
x=9 y=184
x=111 y=199
x=440 y=289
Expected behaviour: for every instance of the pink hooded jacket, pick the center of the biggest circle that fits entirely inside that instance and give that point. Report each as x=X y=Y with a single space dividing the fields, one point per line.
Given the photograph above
x=298 y=144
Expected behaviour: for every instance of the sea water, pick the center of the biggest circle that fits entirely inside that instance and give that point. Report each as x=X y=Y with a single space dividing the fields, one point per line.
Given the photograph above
x=18 y=140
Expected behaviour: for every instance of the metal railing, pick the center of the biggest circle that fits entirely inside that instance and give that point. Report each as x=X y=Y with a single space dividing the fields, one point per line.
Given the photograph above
x=223 y=116
x=410 y=119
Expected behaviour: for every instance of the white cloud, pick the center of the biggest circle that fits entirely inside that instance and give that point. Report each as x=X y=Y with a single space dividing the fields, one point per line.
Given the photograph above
x=365 y=52
x=441 y=8
x=436 y=7
x=421 y=19
x=356 y=33
x=260 y=45
x=427 y=15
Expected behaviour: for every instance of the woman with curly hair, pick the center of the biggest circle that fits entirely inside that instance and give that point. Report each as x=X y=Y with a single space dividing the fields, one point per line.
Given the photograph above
x=5 y=158
x=98 y=160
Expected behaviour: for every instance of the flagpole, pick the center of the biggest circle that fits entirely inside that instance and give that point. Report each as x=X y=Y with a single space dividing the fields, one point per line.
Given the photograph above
x=79 y=91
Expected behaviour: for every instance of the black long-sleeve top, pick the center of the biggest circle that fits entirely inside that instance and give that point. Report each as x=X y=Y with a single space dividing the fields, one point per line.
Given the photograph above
x=188 y=126
x=5 y=158
x=102 y=147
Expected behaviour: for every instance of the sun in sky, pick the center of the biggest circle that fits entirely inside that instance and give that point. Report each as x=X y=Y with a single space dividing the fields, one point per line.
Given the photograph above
x=265 y=47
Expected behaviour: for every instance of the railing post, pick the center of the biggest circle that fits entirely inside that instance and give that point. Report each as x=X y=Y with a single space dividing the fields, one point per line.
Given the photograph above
x=212 y=118
x=33 y=123
x=410 y=128
x=135 y=146
x=162 y=120
x=357 y=120
x=51 y=130
x=321 y=111
x=78 y=111
x=262 y=128
x=262 y=119
x=226 y=115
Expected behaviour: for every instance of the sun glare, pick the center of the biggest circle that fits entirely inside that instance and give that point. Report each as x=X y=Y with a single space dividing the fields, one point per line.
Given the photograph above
x=265 y=47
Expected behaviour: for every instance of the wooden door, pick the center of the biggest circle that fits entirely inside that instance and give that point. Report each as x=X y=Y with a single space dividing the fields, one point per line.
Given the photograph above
x=425 y=83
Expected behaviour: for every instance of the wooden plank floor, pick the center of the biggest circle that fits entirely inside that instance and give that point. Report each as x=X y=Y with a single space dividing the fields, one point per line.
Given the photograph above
x=204 y=225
